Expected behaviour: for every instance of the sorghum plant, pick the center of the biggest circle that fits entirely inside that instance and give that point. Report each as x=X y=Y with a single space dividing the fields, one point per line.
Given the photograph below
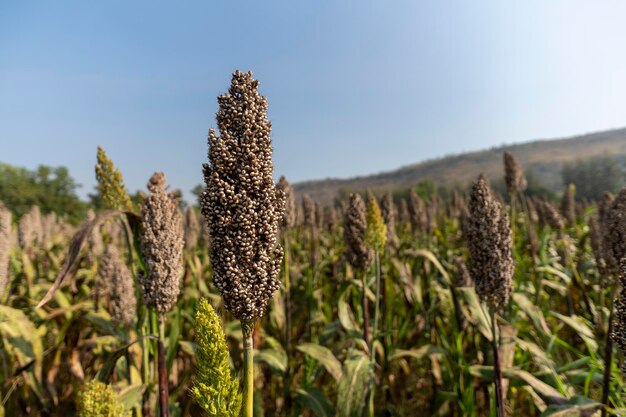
x=488 y=234
x=243 y=209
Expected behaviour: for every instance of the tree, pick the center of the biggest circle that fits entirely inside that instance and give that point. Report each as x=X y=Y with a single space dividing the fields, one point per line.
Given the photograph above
x=52 y=189
x=593 y=176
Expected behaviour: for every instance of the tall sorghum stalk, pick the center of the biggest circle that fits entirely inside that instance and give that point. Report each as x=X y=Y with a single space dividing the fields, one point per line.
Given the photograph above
x=287 y=223
x=243 y=208
x=120 y=288
x=358 y=254
x=488 y=234
x=375 y=238
x=568 y=205
x=5 y=246
x=515 y=182
x=310 y=222
x=162 y=251
x=613 y=221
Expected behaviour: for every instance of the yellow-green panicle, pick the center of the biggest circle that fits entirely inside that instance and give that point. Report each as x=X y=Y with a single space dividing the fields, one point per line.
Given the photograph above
x=99 y=400
x=111 y=184
x=376 y=232
x=215 y=390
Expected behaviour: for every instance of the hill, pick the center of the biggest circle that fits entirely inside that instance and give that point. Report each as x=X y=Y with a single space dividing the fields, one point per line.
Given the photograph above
x=544 y=157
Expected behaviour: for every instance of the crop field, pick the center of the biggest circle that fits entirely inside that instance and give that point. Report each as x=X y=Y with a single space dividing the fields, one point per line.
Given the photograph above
x=258 y=302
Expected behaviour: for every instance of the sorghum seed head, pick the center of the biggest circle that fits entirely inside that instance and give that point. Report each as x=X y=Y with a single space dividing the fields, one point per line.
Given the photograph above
x=161 y=246
x=289 y=219
x=551 y=216
x=388 y=211
x=376 y=232
x=618 y=334
x=5 y=245
x=513 y=174
x=415 y=207
x=488 y=234
x=308 y=207
x=241 y=204
x=615 y=226
x=330 y=219
x=120 y=287
x=111 y=184
x=29 y=228
x=359 y=255
x=193 y=229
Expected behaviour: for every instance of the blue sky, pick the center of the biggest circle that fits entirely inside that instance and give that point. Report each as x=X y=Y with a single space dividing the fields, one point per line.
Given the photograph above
x=354 y=87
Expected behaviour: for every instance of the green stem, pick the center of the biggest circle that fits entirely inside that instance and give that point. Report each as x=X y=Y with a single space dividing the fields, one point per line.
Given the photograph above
x=247 y=328
x=162 y=371
x=373 y=338
x=608 y=358
x=513 y=201
x=376 y=312
x=286 y=392
x=499 y=395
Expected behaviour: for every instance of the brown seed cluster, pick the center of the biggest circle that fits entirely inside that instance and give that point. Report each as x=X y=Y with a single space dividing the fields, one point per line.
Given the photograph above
x=614 y=219
x=289 y=219
x=241 y=204
x=193 y=229
x=308 y=209
x=388 y=211
x=596 y=237
x=463 y=279
x=5 y=245
x=330 y=219
x=416 y=210
x=618 y=333
x=119 y=284
x=513 y=174
x=358 y=254
x=549 y=215
x=488 y=234
x=161 y=246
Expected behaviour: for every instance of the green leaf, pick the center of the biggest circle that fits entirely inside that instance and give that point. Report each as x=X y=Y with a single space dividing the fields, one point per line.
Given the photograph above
x=353 y=387
x=188 y=347
x=420 y=353
x=583 y=330
x=316 y=401
x=276 y=360
x=532 y=311
x=547 y=393
x=131 y=396
x=433 y=259
x=477 y=313
x=324 y=356
x=346 y=318
x=578 y=406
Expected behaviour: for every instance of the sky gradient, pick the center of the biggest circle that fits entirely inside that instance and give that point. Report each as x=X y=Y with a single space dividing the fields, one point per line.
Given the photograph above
x=354 y=87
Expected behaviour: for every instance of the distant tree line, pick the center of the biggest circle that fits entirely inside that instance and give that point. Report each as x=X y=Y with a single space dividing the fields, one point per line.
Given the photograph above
x=593 y=176
x=52 y=189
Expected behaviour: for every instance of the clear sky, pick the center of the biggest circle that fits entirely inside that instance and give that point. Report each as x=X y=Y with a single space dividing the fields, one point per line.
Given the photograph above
x=354 y=87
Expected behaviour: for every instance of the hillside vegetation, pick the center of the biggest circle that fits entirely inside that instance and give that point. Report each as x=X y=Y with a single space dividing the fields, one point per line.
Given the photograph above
x=544 y=157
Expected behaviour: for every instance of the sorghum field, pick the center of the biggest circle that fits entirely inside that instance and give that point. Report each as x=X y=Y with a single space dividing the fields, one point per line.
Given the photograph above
x=260 y=302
